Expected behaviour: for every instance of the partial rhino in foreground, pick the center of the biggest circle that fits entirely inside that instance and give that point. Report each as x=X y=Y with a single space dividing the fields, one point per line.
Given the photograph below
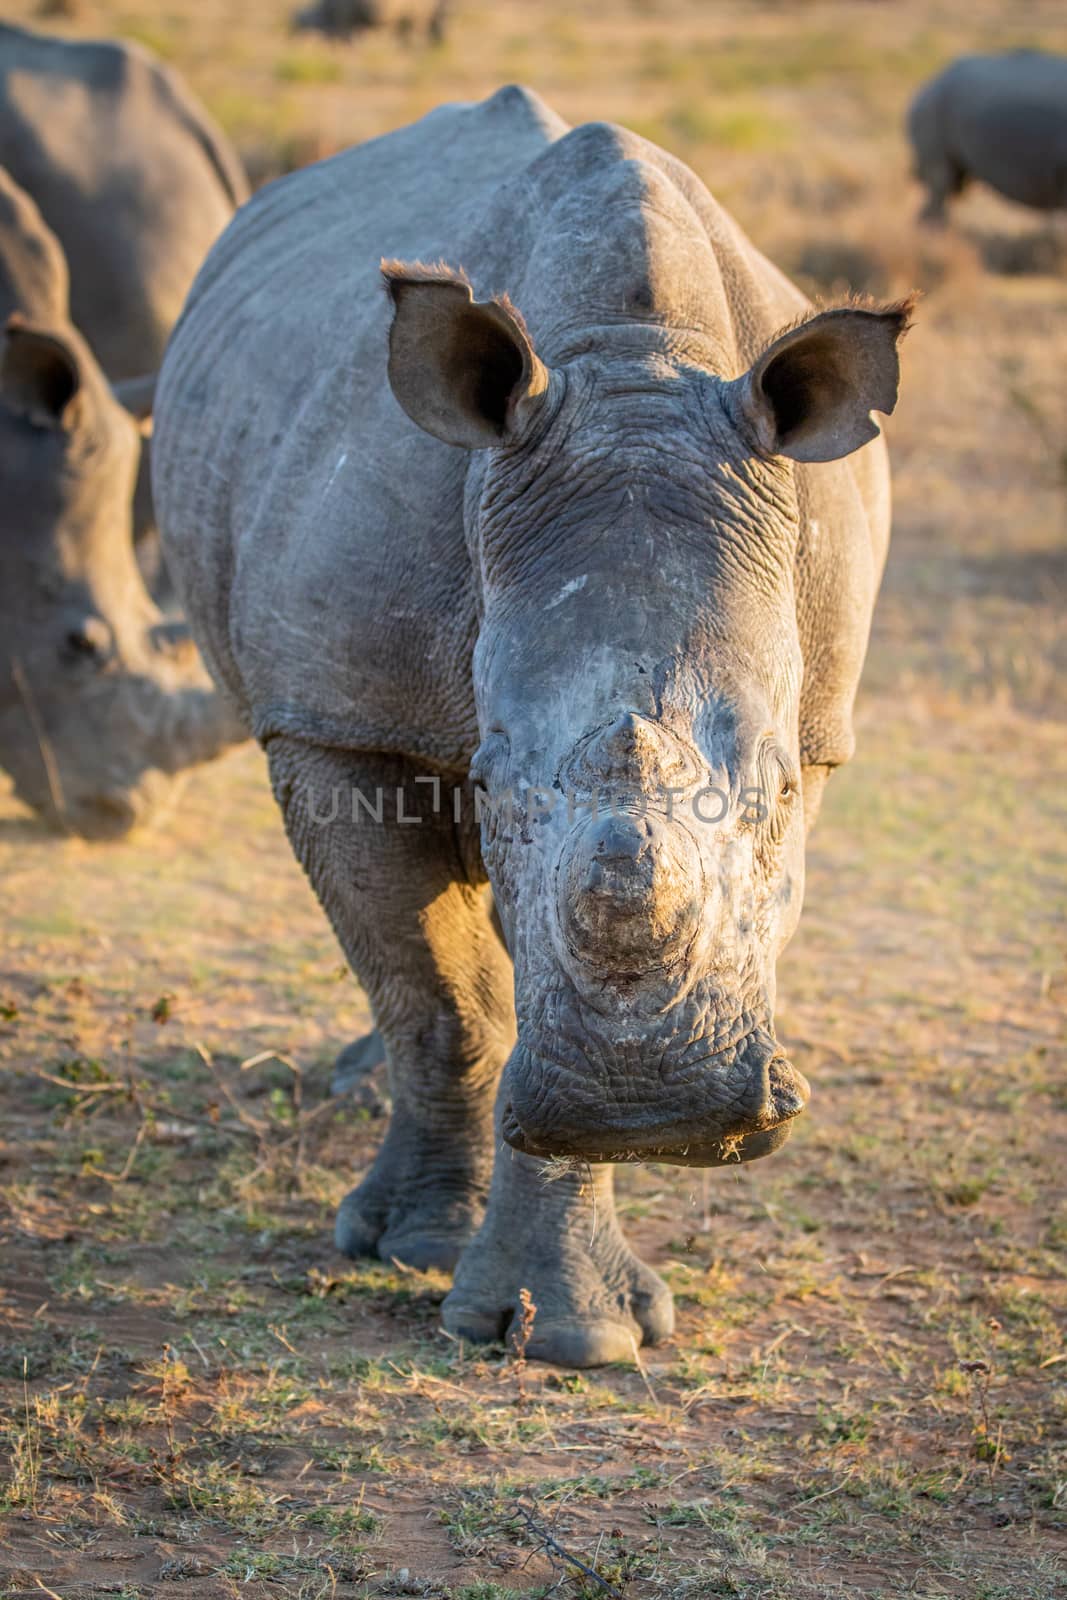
x=1001 y=119
x=102 y=701
x=586 y=511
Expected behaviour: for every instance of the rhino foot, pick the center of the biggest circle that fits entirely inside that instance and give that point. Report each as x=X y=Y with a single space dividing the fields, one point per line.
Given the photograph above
x=560 y=1240
x=419 y=1204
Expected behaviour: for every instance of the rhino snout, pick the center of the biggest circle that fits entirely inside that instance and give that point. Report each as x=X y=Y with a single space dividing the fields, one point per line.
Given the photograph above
x=732 y=1107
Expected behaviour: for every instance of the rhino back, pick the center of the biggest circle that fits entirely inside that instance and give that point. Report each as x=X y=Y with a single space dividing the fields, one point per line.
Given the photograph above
x=1005 y=122
x=132 y=177
x=317 y=534
x=292 y=491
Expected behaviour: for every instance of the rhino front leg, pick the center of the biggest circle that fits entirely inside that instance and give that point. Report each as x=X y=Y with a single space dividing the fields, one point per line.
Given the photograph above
x=559 y=1238
x=944 y=179
x=416 y=929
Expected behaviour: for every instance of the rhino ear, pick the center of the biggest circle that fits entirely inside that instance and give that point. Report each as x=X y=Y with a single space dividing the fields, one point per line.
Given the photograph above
x=40 y=377
x=811 y=393
x=463 y=370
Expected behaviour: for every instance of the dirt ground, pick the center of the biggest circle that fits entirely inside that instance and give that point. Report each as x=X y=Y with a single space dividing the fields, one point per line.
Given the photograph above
x=866 y=1392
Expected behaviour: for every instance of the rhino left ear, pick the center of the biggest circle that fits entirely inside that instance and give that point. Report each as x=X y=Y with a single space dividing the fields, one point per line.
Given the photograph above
x=461 y=368
x=40 y=377
x=811 y=393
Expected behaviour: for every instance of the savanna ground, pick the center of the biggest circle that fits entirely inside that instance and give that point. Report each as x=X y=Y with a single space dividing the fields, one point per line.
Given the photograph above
x=865 y=1395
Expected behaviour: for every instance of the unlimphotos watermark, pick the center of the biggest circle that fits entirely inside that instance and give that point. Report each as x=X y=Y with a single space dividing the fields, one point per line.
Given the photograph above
x=408 y=807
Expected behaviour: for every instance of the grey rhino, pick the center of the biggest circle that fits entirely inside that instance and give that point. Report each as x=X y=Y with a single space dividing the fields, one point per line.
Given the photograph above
x=620 y=546
x=128 y=171
x=101 y=701
x=342 y=18
x=1002 y=119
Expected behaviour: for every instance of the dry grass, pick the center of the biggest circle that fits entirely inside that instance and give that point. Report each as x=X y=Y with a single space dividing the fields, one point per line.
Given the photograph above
x=866 y=1393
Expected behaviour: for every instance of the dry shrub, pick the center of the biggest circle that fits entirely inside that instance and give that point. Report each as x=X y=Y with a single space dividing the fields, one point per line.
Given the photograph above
x=268 y=159
x=1042 y=253
x=874 y=251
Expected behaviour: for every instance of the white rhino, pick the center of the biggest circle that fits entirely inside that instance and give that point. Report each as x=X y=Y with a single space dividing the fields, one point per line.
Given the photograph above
x=102 y=701
x=1001 y=119
x=129 y=172
x=587 y=509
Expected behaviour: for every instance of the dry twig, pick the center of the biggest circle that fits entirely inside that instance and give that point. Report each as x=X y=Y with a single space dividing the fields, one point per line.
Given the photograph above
x=520 y=1338
x=553 y=1548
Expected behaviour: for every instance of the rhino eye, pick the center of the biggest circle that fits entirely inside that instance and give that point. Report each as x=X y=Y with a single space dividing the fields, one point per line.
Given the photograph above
x=90 y=642
x=781 y=786
x=493 y=749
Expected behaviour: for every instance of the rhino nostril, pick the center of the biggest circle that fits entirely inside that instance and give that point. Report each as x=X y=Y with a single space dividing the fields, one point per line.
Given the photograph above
x=789 y=1090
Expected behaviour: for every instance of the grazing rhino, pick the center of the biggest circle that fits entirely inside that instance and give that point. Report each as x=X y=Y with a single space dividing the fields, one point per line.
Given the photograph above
x=342 y=18
x=1002 y=119
x=130 y=174
x=607 y=552
x=100 y=699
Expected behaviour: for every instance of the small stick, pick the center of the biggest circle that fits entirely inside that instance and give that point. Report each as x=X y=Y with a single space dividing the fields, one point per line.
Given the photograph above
x=520 y=1338
x=640 y=1365
x=127 y=1168
x=549 y=1543
x=129 y=1088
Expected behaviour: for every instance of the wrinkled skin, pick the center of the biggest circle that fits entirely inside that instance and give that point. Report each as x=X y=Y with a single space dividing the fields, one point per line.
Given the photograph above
x=101 y=702
x=999 y=119
x=625 y=543
x=130 y=174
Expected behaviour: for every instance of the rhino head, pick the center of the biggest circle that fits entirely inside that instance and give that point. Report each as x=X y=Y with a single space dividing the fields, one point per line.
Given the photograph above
x=632 y=520
x=101 y=701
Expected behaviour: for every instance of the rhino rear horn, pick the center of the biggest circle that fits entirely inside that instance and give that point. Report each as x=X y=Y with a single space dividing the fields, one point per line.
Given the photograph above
x=464 y=370
x=40 y=376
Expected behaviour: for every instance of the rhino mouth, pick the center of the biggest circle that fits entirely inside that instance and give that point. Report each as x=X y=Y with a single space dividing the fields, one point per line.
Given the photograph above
x=738 y=1110
x=716 y=1153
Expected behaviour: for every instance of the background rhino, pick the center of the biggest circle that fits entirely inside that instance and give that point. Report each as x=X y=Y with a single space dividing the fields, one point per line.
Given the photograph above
x=128 y=171
x=100 y=699
x=613 y=546
x=343 y=18
x=1002 y=119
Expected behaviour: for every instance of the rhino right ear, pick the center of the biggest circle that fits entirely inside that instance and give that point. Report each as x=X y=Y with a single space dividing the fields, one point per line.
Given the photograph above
x=811 y=393
x=40 y=378
x=464 y=370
